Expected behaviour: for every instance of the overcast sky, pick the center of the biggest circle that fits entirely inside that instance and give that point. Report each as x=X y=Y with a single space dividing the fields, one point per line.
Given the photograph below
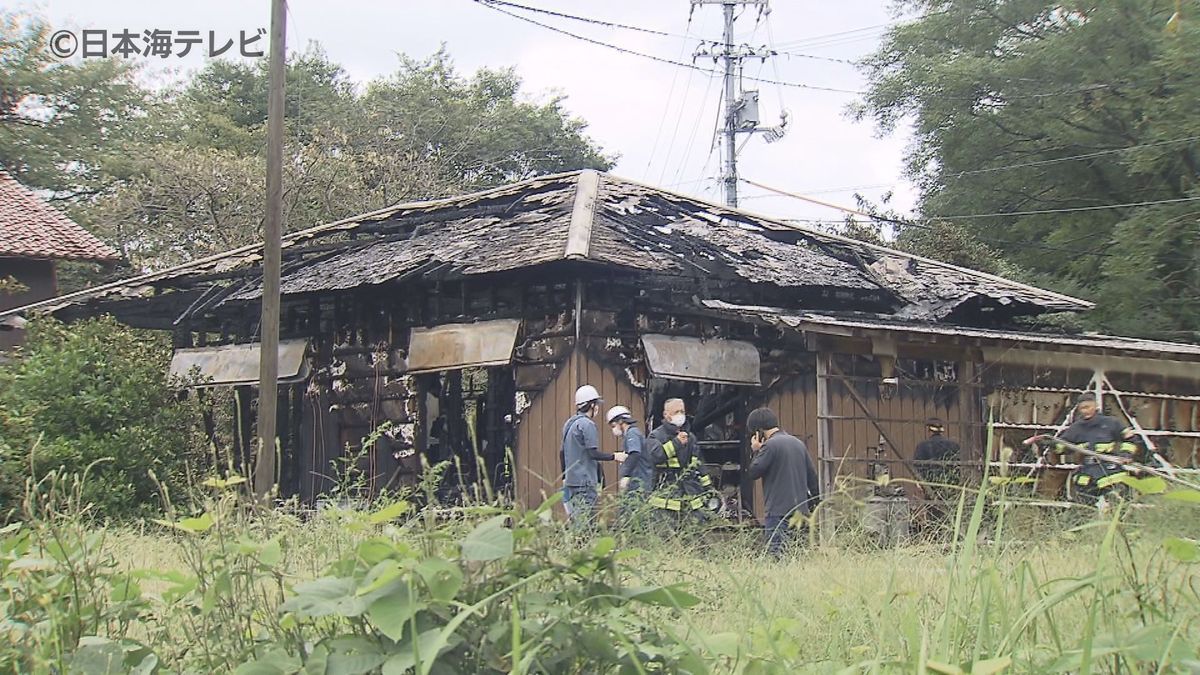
x=657 y=117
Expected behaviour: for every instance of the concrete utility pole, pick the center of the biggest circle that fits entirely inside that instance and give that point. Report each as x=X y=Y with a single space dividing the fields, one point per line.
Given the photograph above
x=268 y=372
x=741 y=107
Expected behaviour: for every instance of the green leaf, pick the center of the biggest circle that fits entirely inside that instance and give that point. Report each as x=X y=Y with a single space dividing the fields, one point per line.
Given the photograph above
x=191 y=525
x=224 y=483
x=604 y=546
x=627 y=554
x=389 y=513
x=1183 y=550
x=353 y=656
x=427 y=646
x=327 y=596
x=271 y=553
x=944 y=668
x=1151 y=485
x=665 y=596
x=273 y=662
x=98 y=656
x=381 y=575
x=375 y=549
x=443 y=578
x=724 y=644
x=1183 y=495
x=393 y=612
x=490 y=540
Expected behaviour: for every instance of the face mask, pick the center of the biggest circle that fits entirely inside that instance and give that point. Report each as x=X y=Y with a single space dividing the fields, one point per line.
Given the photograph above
x=679 y=419
x=616 y=431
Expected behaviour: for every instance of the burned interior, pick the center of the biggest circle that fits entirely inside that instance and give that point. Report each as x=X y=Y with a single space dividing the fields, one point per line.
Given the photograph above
x=455 y=330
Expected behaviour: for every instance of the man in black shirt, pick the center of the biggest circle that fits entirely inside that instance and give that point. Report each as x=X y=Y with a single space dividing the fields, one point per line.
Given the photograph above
x=790 y=483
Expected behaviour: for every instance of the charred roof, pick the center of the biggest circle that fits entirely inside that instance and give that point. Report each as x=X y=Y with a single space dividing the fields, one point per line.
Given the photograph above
x=600 y=220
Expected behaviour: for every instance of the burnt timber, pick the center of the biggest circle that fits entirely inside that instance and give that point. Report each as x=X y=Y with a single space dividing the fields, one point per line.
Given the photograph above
x=525 y=291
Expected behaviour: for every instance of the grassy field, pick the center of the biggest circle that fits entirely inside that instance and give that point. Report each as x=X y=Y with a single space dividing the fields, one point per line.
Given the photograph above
x=223 y=589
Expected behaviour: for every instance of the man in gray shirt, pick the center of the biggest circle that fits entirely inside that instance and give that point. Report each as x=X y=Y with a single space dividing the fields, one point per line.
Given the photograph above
x=790 y=483
x=581 y=456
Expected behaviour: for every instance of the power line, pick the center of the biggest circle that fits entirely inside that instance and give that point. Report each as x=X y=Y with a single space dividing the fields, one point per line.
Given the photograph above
x=625 y=50
x=640 y=29
x=815 y=39
x=1089 y=155
x=909 y=223
x=1074 y=209
x=575 y=17
x=667 y=104
x=691 y=142
x=960 y=174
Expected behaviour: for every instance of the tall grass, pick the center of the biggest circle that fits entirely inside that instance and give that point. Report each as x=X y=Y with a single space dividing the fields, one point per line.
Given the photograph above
x=1008 y=589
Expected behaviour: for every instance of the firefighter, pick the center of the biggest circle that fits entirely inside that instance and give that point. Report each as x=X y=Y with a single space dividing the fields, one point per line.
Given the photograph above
x=581 y=457
x=937 y=466
x=1099 y=433
x=681 y=484
x=637 y=471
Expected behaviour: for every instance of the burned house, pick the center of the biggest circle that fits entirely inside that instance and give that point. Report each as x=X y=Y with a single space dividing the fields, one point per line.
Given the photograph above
x=465 y=324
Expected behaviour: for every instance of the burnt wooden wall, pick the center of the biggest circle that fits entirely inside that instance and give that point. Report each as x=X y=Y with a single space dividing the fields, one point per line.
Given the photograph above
x=901 y=416
x=539 y=433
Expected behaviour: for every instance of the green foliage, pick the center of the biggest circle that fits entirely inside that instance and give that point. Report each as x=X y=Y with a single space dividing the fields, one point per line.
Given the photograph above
x=508 y=592
x=191 y=183
x=1024 y=82
x=60 y=588
x=59 y=119
x=94 y=395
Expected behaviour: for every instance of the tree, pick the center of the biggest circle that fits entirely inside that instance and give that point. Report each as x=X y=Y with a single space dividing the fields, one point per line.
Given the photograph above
x=190 y=184
x=95 y=394
x=1060 y=108
x=59 y=119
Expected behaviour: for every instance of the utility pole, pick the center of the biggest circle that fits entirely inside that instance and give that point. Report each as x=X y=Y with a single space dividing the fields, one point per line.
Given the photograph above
x=741 y=107
x=268 y=371
x=731 y=108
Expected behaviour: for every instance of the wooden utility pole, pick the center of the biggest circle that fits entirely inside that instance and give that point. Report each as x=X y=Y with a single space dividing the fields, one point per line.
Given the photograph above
x=268 y=373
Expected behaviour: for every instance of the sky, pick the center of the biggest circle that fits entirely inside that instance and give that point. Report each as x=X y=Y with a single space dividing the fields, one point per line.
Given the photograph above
x=656 y=117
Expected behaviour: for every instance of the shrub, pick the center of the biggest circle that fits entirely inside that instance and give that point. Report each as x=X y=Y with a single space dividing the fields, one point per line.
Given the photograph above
x=96 y=393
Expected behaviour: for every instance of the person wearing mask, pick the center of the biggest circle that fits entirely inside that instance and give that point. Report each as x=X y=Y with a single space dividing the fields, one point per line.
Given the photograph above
x=581 y=457
x=681 y=484
x=637 y=471
x=789 y=479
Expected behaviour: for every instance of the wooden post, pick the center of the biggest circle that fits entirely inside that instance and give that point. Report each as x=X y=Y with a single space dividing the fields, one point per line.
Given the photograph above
x=824 y=424
x=825 y=472
x=973 y=436
x=268 y=378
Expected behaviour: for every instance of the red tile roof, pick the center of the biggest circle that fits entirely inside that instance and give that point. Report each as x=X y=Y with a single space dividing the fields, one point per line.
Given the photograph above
x=31 y=228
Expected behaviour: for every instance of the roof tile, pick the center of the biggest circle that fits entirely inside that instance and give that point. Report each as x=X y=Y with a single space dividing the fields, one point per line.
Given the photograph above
x=31 y=228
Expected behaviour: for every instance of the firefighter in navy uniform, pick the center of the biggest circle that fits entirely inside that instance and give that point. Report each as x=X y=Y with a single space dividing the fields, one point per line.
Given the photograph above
x=1099 y=433
x=937 y=467
x=682 y=485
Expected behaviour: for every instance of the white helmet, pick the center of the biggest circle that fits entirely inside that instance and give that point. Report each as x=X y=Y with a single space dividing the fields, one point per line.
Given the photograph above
x=586 y=394
x=615 y=413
